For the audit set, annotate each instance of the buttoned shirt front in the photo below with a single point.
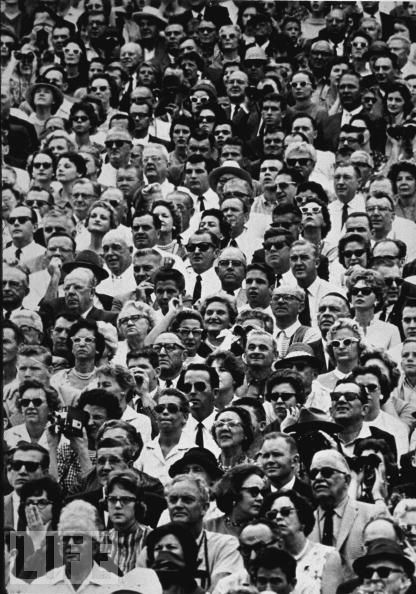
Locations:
(98, 581)
(210, 283)
(357, 204)
(191, 429)
(153, 461)
(115, 285)
(339, 511)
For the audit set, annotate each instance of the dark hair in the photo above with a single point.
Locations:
(36, 487)
(25, 446)
(396, 168)
(228, 488)
(381, 355)
(134, 437)
(349, 237)
(253, 403)
(325, 214)
(88, 325)
(214, 380)
(223, 223)
(282, 209)
(276, 98)
(186, 314)
(379, 445)
(98, 397)
(52, 398)
(131, 481)
(76, 159)
(201, 134)
(185, 538)
(374, 370)
(146, 352)
(140, 212)
(182, 120)
(397, 87)
(334, 61)
(275, 232)
(265, 269)
(88, 109)
(286, 376)
(313, 187)
(272, 558)
(83, 61)
(245, 422)
(176, 217)
(197, 158)
(362, 395)
(303, 508)
(170, 274)
(214, 239)
(62, 234)
(231, 363)
(18, 334)
(36, 351)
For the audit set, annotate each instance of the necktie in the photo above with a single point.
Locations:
(284, 344)
(233, 243)
(328, 531)
(7, 314)
(18, 253)
(277, 280)
(344, 214)
(201, 200)
(305, 315)
(199, 439)
(197, 289)
(169, 383)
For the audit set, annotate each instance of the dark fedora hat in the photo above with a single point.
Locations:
(312, 419)
(384, 548)
(199, 456)
(299, 351)
(87, 259)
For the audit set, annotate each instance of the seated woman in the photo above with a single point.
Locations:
(239, 494)
(317, 564)
(41, 501)
(126, 511)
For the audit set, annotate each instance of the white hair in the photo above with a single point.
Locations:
(82, 516)
(302, 147)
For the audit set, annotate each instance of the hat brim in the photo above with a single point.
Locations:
(138, 16)
(360, 563)
(58, 96)
(99, 272)
(214, 471)
(312, 426)
(215, 175)
(311, 360)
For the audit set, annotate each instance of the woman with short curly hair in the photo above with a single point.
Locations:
(366, 291)
(219, 313)
(135, 321)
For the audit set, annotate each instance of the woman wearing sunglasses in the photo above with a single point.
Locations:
(239, 495)
(36, 401)
(302, 86)
(359, 43)
(74, 60)
(233, 432)
(41, 502)
(353, 250)
(366, 292)
(84, 125)
(317, 565)
(23, 75)
(170, 445)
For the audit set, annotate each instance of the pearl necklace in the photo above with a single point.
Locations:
(83, 376)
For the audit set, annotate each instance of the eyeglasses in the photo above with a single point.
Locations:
(196, 386)
(283, 511)
(382, 572)
(7, 43)
(326, 472)
(228, 424)
(284, 297)
(127, 319)
(169, 347)
(17, 465)
(40, 503)
(255, 491)
(123, 500)
(358, 44)
(301, 83)
(80, 118)
(76, 51)
(370, 388)
(202, 247)
(44, 164)
(114, 203)
(79, 339)
(295, 161)
(313, 210)
(171, 407)
(77, 539)
(398, 281)
(366, 291)
(20, 220)
(199, 99)
(343, 342)
(35, 401)
(101, 89)
(371, 209)
(232, 263)
(208, 119)
(185, 332)
(357, 253)
(115, 143)
(348, 396)
(37, 202)
(285, 396)
(275, 245)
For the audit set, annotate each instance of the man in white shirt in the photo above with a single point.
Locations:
(118, 258)
(155, 167)
(348, 200)
(201, 279)
(197, 169)
(200, 383)
(231, 267)
(118, 143)
(24, 249)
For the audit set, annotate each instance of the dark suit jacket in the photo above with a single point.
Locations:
(245, 124)
(49, 312)
(8, 511)
(216, 14)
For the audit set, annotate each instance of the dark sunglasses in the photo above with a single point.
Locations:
(101, 89)
(202, 247)
(116, 143)
(348, 396)
(29, 57)
(35, 401)
(285, 396)
(326, 472)
(382, 572)
(255, 491)
(246, 550)
(16, 465)
(370, 388)
(44, 164)
(277, 245)
(233, 263)
(357, 253)
(171, 407)
(77, 539)
(37, 202)
(301, 161)
(21, 220)
(80, 118)
(283, 511)
(198, 386)
(208, 119)
(366, 291)
(398, 281)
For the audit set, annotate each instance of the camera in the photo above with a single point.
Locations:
(68, 421)
(402, 132)
(367, 465)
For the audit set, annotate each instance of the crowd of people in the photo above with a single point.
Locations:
(209, 296)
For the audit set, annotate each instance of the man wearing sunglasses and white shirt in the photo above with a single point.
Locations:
(158, 455)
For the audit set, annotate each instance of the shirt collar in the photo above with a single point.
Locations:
(290, 330)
